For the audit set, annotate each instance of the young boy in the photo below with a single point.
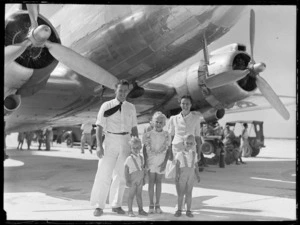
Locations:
(135, 176)
(186, 169)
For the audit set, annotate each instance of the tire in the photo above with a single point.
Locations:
(207, 148)
(69, 141)
(255, 152)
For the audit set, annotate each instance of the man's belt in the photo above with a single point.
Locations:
(123, 133)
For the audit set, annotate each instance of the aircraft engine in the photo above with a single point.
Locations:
(11, 103)
(36, 61)
(213, 115)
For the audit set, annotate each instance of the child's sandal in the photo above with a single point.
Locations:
(158, 209)
(151, 209)
(189, 213)
(177, 213)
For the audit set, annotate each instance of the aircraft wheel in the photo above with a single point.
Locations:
(69, 141)
(207, 148)
(255, 152)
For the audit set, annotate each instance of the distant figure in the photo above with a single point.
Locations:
(246, 149)
(21, 137)
(48, 137)
(86, 136)
(29, 136)
(231, 146)
(40, 138)
(218, 130)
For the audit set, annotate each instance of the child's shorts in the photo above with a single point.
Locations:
(137, 178)
(187, 175)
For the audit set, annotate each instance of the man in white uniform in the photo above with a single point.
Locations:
(86, 136)
(117, 118)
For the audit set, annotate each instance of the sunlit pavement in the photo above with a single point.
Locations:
(56, 185)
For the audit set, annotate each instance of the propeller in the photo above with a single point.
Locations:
(256, 68)
(38, 37)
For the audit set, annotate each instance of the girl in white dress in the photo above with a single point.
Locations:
(156, 152)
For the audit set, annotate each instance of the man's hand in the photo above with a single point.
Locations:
(100, 152)
(198, 178)
(177, 178)
(162, 166)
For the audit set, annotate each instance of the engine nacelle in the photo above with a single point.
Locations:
(11, 104)
(213, 115)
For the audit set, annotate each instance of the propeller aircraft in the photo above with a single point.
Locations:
(59, 73)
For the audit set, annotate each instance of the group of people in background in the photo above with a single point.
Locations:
(40, 136)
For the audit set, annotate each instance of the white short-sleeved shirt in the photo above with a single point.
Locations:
(86, 128)
(119, 122)
(189, 157)
(129, 162)
(180, 126)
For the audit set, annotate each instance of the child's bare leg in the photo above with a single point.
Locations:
(158, 187)
(139, 199)
(181, 191)
(131, 194)
(188, 196)
(151, 188)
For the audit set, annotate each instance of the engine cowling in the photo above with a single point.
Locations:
(213, 115)
(11, 104)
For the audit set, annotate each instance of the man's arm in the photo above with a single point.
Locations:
(100, 150)
(198, 146)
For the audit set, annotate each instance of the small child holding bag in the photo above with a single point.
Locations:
(186, 169)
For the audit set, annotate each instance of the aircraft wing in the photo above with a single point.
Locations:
(258, 102)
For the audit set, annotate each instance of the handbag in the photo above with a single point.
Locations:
(170, 169)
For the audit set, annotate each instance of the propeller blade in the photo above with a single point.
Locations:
(14, 51)
(205, 51)
(81, 65)
(33, 11)
(225, 78)
(252, 32)
(271, 96)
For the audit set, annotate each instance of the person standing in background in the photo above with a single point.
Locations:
(86, 136)
(21, 136)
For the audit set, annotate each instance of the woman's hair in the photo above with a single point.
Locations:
(135, 140)
(186, 97)
(159, 114)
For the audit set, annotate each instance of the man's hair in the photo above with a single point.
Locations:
(122, 82)
(186, 97)
(245, 124)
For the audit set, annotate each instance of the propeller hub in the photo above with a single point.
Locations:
(40, 35)
(259, 67)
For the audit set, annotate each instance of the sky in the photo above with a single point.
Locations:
(275, 45)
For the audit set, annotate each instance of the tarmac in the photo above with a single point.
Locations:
(55, 186)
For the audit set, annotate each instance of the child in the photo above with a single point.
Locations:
(186, 168)
(156, 152)
(135, 176)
